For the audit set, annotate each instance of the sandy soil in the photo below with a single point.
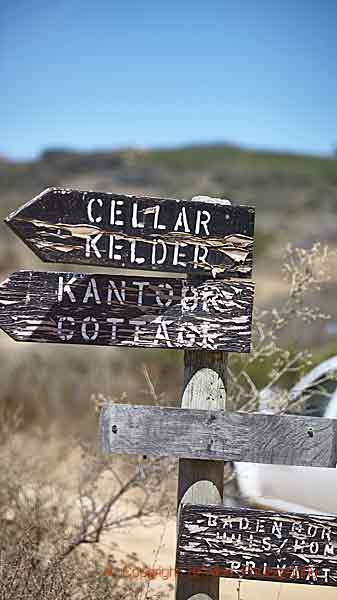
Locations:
(153, 539)
(156, 533)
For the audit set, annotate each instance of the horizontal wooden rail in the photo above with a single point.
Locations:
(218, 435)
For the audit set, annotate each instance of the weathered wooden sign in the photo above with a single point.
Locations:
(97, 228)
(84, 308)
(218, 435)
(252, 544)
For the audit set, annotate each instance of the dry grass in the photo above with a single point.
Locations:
(53, 384)
(51, 533)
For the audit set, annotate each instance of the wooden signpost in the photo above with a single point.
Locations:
(207, 315)
(254, 544)
(156, 234)
(83, 308)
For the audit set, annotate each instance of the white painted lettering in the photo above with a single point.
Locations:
(296, 528)
(161, 296)
(326, 572)
(295, 574)
(235, 565)
(228, 523)
(162, 334)
(311, 574)
(140, 285)
(326, 533)
(250, 567)
(138, 324)
(200, 255)
(177, 254)
(133, 258)
(114, 323)
(277, 529)
(203, 218)
(113, 246)
(156, 224)
(314, 548)
(65, 289)
(88, 322)
(243, 523)
(91, 218)
(92, 292)
(208, 297)
(116, 212)
(67, 333)
(266, 545)
(119, 294)
(299, 545)
(136, 224)
(312, 530)
(91, 244)
(329, 550)
(185, 337)
(232, 538)
(208, 336)
(189, 302)
(182, 221)
(280, 570)
(154, 259)
(260, 523)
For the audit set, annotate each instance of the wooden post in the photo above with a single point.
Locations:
(201, 481)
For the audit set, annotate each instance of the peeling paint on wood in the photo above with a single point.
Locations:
(218, 435)
(85, 308)
(262, 545)
(71, 226)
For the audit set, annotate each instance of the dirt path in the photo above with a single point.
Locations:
(157, 535)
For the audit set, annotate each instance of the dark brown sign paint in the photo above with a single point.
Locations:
(108, 310)
(114, 230)
(253, 544)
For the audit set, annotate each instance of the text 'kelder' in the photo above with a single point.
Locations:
(148, 233)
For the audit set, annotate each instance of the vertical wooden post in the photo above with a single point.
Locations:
(201, 481)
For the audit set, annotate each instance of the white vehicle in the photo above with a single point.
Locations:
(297, 489)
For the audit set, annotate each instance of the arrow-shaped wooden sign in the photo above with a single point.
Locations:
(70, 226)
(84, 308)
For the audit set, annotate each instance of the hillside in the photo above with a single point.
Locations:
(295, 199)
(295, 196)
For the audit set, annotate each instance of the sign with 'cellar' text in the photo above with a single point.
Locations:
(106, 229)
(85, 308)
(252, 544)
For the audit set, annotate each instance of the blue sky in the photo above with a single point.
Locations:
(104, 74)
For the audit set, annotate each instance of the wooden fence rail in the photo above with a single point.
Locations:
(219, 435)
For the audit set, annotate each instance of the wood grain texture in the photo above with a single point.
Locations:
(201, 481)
(96, 228)
(252, 544)
(219, 435)
(83, 308)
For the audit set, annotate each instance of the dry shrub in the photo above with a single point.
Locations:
(50, 540)
(306, 271)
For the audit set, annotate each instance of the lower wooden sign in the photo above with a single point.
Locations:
(253, 544)
(110, 310)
